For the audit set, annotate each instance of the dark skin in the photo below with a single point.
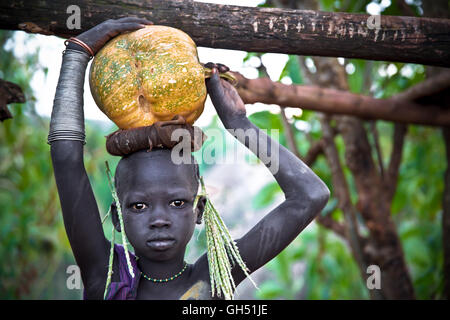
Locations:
(157, 198)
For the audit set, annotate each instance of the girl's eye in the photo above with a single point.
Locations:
(177, 203)
(139, 206)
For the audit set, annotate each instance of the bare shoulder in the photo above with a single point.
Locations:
(199, 284)
(200, 269)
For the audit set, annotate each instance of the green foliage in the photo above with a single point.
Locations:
(291, 70)
(395, 8)
(331, 272)
(356, 79)
(35, 251)
(417, 209)
(267, 121)
(329, 269)
(266, 195)
(25, 187)
(317, 265)
(344, 5)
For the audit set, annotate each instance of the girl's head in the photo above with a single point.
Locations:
(157, 197)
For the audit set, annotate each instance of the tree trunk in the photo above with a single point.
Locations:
(382, 247)
(303, 32)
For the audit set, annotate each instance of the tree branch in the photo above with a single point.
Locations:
(329, 223)
(290, 138)
(427, 88)
(390, 180)
(314, 151)
(398, 108)
(342, 192)
(9, 93)
(376, 139)
(300, 32)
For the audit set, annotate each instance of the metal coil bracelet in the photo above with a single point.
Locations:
(67, 119)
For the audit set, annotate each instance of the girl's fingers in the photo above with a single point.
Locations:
(214, 75)
(210, 65)
(134, 19)
(129, 26)
(213, 83)
(222, 68)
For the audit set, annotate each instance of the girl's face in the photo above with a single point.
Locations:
(157, 200)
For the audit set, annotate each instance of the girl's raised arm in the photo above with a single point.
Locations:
(66, 137)
(306, 194)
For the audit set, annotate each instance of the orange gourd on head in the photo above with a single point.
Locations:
(148, 75)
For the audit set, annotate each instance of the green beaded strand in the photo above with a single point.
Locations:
(119, 213)
(222, 251)
(124, 242)
(110, 264)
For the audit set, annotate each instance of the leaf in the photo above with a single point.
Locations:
(356, 79)
(266, 120)
(249, 55)
(266, 196)
(292, 70)
(327, 5)
(270, 290)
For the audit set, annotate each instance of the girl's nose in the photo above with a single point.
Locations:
(160, 223)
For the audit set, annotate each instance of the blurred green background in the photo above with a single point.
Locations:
(35, 253)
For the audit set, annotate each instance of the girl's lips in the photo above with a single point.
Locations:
(161, 244)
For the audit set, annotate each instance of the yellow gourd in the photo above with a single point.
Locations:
(148, 75)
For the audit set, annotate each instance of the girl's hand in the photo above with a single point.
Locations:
(99, 35)
(224, 96)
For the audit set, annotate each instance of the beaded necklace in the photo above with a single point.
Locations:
(166, 279)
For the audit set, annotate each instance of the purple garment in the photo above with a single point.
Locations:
(126, 288)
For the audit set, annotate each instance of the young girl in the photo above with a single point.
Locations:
(157, 196)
